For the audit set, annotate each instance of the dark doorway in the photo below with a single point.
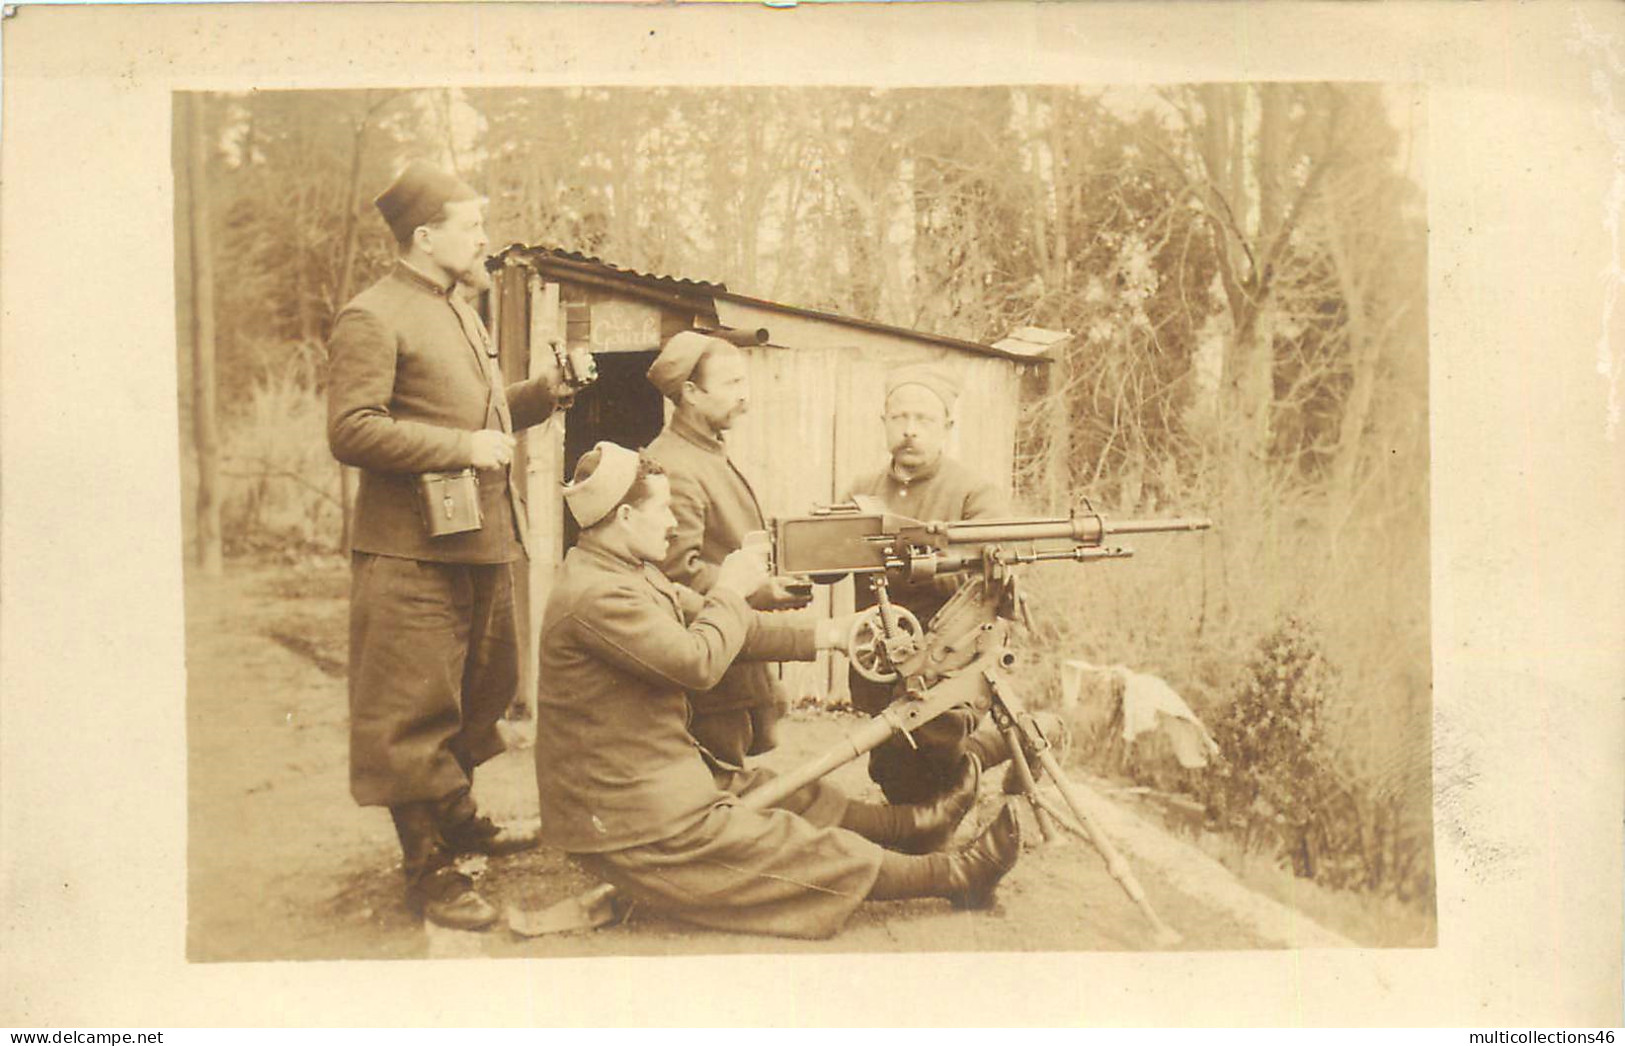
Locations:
(621, 406)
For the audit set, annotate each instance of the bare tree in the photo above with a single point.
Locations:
(1256, 160)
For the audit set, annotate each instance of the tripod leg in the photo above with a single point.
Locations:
(1115, 864)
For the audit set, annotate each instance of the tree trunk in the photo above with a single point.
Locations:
(1364, 354)
(352, 200)
(205, 429)
(1058, 433)
(352, 236)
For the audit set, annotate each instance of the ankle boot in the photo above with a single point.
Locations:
(446, 897)
(481, 835)
(435, 888)
(920, 828)
(975, 871)
(465, 830)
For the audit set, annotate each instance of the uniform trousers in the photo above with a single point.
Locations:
(434, 664)
(787, 871)
(924, 770)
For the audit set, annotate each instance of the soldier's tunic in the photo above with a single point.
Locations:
(715, 508)
(943, 492)
(434, 655)
(623, 785)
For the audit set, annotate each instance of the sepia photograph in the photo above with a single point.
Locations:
(1011, 524)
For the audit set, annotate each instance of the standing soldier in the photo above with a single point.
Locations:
(416, 401)
(705, 379)
(921, 482)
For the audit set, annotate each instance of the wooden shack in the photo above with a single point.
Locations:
(817, 382)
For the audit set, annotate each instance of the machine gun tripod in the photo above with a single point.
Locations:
(964, 657)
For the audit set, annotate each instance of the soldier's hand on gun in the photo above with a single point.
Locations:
(743, 571)
(781, 593)
(491, 449)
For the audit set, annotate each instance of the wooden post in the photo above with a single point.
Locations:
(205, 427)
(546, 470)
(506, 307)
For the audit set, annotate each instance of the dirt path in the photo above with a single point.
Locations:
(283, 865)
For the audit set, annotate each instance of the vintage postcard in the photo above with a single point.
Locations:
(1114, 508)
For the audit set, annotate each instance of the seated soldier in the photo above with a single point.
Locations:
(626, 790)
(920, 481)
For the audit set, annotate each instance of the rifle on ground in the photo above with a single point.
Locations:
(963, 656)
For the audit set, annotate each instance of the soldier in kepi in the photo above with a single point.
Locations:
(625, 788)
(705, 379)
(921, 482)
(417, 402)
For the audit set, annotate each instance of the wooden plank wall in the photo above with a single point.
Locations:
(814, 426)
(528, 313)
(983, 438)
(545, 474)
(784, 447)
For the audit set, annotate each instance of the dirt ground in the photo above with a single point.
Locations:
(283, 865)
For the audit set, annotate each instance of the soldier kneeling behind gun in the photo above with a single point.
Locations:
(625, 789)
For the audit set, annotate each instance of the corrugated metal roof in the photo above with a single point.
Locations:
(563, 261)
(544, 254)
(1034, 341)
(885, 328)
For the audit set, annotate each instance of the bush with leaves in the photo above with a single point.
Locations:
(1277, 777)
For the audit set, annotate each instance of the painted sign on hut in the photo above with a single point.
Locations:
(816, 379)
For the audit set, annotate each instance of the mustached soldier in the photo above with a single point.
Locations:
(625, 788)
(922, 482)
(705, 379)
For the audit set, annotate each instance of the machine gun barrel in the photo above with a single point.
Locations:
(865, 539)
(1088, 529)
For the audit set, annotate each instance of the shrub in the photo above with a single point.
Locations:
(1277, 777)
(280, 483)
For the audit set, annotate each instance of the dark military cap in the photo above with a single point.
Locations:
(417, 196)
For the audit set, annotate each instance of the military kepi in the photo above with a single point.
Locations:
(595, 497)
(417, 195)
(931, 377)
(678, 359)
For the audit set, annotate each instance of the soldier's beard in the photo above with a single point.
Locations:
(475, 277)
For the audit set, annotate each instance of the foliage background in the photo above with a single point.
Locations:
(1244, 267)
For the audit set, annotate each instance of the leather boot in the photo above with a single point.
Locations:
(975, 871)
(435, 888)
(918, 828)
(446, 897)
(966, 878)
(466, 831)
(481, 835)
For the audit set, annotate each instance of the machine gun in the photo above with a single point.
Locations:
(974, 556)
(964, 656)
